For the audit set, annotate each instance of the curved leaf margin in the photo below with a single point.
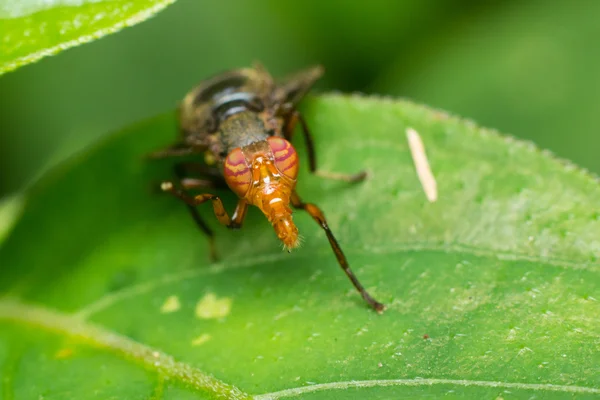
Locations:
(26, 24)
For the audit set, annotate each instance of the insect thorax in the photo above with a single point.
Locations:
(241, 129)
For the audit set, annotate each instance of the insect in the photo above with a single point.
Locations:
(241, 123)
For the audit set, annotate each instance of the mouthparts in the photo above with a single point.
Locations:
(276, 209)
(287, 232)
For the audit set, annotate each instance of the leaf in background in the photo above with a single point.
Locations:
(492, 288)
(525, 68)
(10, 210)
(32, 29)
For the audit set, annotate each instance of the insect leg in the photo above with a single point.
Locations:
(239, 214)
(176, 150)
(184, 169)
(193, 183)
(288, 130)
(181, 170)
(217, 181)
(194, 201)
(318, 216)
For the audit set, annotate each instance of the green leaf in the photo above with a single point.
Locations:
(492, 290)
(509, 61)
(10, 209)
(32, 29)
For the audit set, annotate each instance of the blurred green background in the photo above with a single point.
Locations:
(530, 68)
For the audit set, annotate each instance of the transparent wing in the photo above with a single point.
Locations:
(292, 89)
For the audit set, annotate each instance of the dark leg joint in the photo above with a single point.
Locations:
(234, 225)
(350, 178)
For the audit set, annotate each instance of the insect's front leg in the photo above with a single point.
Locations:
(185, 169)
(182, 170)
(288, 130)
(316, 213)
(218, 208)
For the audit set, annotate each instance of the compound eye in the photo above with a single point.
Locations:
(237, 173)
(286, 158)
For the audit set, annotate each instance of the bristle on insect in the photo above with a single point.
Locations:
(287, 232)
(299, 242)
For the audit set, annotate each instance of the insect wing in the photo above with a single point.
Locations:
(293, 88)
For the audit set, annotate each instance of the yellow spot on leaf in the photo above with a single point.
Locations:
(170, 305)
(63, 353)
(210, 306)
(205, 337)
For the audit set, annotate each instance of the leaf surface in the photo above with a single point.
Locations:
(32, 29)
(492, 289)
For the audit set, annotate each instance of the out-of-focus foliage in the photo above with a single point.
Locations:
(532, 69)
(527, 67)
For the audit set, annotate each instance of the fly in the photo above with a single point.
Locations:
(242, 123)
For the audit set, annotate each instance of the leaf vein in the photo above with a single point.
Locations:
(165, 366)
(423, 382)
(134, 290)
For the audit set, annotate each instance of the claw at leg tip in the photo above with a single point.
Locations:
(379, 308)
(361, 176)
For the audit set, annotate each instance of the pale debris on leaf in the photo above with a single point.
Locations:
(63, 353)
(422, 164)
(200, 340)
(210, 306)
(170, 305)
